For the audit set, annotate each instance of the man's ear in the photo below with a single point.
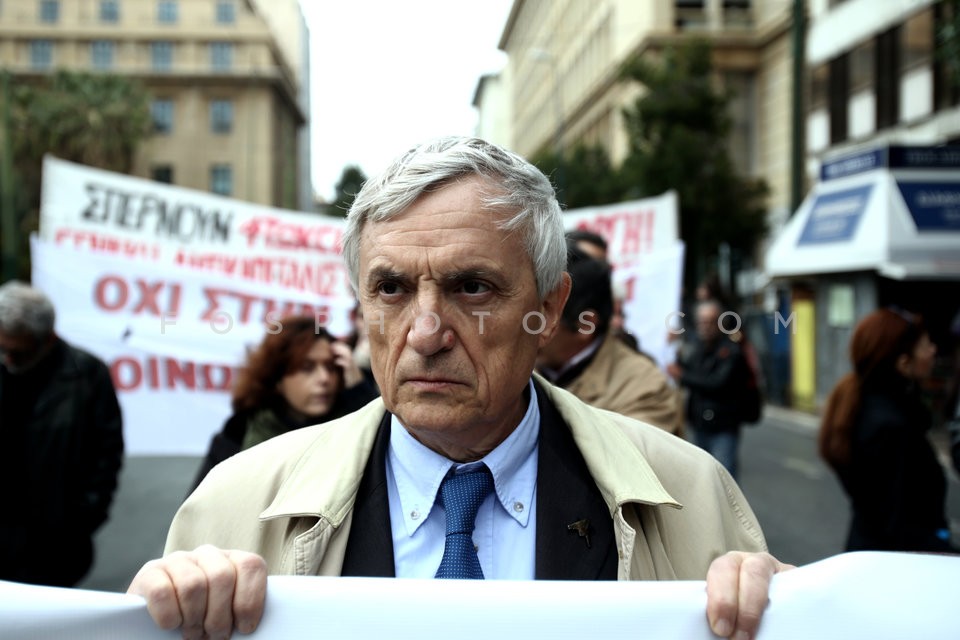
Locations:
(552, 307)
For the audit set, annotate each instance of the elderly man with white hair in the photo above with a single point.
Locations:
(62, 449)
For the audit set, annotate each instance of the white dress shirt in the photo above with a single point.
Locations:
(506, 524)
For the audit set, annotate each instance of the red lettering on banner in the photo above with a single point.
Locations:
(326, 278)
(275, 233)
(112, 293)
(153, 373)
(628, 286)
(148, 297)
(209, 381)
(126, 373)
(181, 372)
(245, 308)
(106, 243)
(115, 283)
(168, 374)
(630, 233)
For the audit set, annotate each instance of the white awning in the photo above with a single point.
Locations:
(904, 227)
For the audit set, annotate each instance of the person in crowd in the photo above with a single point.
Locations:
(873, 434)
(585, 358)
(299, 375)
(715, 376)
(458, 257)
(595, 246)
(62, 450)
(360, 345)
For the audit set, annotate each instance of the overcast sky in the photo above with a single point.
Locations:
(387, 74)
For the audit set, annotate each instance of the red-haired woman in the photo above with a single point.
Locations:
(874, 435)
(299, 375)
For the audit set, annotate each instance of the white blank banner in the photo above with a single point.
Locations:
(853, 596)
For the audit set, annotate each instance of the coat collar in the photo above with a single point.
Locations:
(323, 481)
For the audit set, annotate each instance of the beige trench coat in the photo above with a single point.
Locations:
(290, 499)
(621, 380)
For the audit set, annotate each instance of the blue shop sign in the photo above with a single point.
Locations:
(935, 206)
(835, 215)
(850, 165)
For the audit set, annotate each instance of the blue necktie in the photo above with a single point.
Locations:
(460, 496)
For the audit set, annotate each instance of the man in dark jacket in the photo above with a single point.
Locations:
(715, 376)
(62, 446)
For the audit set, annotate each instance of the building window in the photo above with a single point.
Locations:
(819, 87)
(862, 65)
(221, 179)
(221, 55)
(162, 113)
(888, 83)
(161, 55)
(226, 13)
(221, 116)
(41, 54)
(839, 95)
(162, 173)
(109, 11)
(49, 10)
(167, 11)
(101, 54)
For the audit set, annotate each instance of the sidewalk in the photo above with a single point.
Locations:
(802, 420)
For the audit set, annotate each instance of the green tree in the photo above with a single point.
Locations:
(948, 37)
(96, 120)
(347, 188)
(589, 178)
(678, 132)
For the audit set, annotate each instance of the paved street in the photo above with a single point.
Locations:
(797, 499)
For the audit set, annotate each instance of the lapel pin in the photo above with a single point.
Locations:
(582, 527)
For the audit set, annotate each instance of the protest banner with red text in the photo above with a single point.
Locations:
(171, 286)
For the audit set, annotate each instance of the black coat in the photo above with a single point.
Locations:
(896, 485)
(229, 440)
(715, 375)
(62, 451)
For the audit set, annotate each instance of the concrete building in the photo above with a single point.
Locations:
(227, 78)
(565, 56)
(881, 224)
(563, 88)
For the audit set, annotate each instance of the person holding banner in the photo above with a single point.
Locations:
(587, 359)
(470, 465)
(62, 449)
(299, 375)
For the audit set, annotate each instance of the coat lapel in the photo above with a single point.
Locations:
(370, 545)
(570, 509)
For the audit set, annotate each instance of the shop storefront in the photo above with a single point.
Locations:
(882, 227)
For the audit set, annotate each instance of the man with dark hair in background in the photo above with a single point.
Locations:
(587, 359)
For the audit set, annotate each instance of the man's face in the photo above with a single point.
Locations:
(708, 327)
(445, 295)
(20, 351)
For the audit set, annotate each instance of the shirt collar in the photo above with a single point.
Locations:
(554, 374)
(418, 470)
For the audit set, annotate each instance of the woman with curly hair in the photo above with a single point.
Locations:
(874, 436)
(299, 375)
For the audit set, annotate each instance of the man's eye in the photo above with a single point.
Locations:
(474, 287)
(389, 288)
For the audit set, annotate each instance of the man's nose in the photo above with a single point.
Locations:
(429, 333)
